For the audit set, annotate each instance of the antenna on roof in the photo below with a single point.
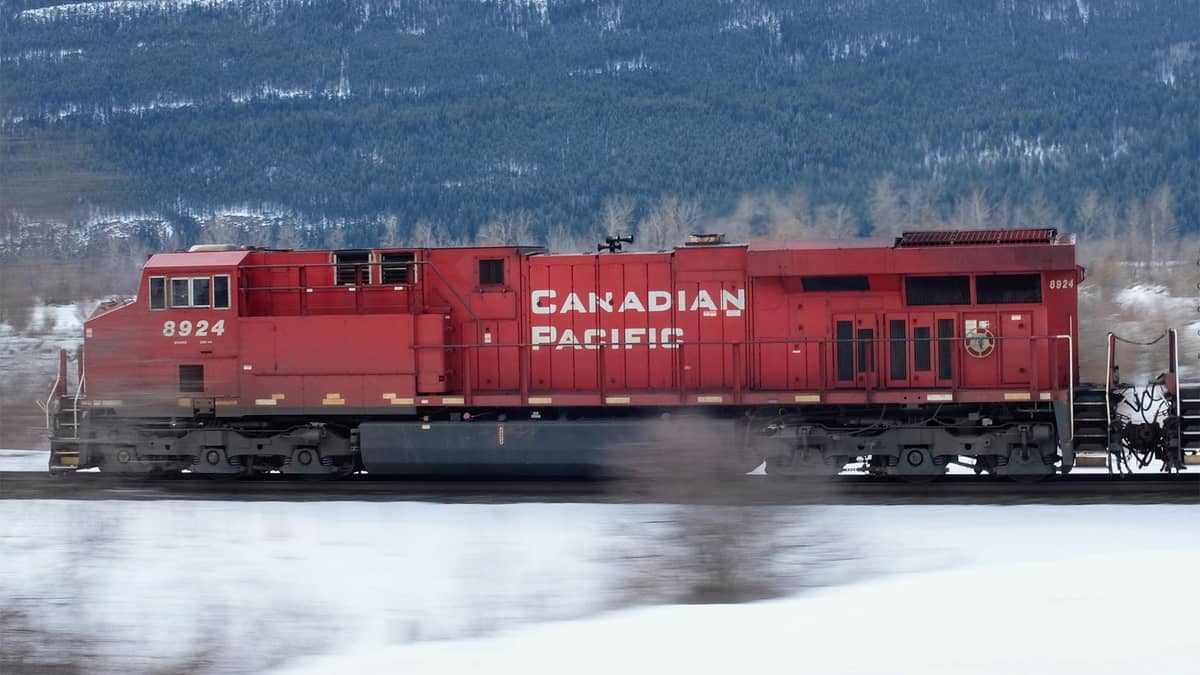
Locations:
(613, 244)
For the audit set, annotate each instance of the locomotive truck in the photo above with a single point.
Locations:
(898, 357)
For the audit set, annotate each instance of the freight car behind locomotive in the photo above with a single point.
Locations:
(902, 356)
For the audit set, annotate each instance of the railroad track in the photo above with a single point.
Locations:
(1080, 489)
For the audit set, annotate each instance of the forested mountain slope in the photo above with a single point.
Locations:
(361, 111)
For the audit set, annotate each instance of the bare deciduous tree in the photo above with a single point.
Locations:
(835, 221)
(391, 231)
(884, 206)
(509, 229)
(790, 216)
(1039, 212)
(561, 239)
(1160, 221)
(973, 212)
(920, 202)
(668, 223)
(423, 235)
(616, 218)
(739, 226)
(1088, 214)
(1134, 220)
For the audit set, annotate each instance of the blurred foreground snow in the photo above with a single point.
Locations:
(24, 460)
(1032, 617)
(380, 587)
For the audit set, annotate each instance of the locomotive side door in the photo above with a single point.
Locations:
(899, 365)
(855, 350)
(932, 340)
(1018, 349)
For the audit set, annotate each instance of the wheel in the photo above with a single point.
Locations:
(919, 465)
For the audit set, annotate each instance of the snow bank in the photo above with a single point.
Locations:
(29, 363)
(1022, 618)
(1145, 297)
(23, 460)
(142, 586)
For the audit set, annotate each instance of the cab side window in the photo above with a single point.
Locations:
(181, 292)
(191, 292)
(200, 290)
(491, 272)
(158, 292)
(220, 291)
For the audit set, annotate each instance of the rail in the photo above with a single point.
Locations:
(302, 290)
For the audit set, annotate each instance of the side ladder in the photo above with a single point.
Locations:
(1092, 426)
(1092, 416)
(63, 417)
(1187, 410)
(1189, 423)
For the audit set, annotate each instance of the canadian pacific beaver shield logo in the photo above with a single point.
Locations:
(978, 338)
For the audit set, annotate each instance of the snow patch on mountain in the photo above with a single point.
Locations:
(113, 9)
(982, 150)
(42, 56)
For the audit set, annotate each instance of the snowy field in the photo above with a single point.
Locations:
(134, 587)
(1041, 617)
(28, 365)
(141, 587)
(23, 460)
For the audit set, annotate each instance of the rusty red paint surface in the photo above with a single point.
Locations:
(701, 325)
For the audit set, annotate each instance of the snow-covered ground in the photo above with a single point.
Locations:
(425, 588)
(1041, 617)
(1141, 313)
(51, 327)
(29, 363)
(23, 460)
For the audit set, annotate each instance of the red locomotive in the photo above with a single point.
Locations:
(902, 355)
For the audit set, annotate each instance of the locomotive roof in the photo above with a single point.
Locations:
(196, 259)
(807, 245)
(234, 257)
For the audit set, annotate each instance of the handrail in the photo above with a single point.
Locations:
(58, 388)
(739, 382)
(75, 403)
(1071, 384)
(246, 290)
(50, 398)
(1108, 377)
(756, 341)
(453, 291)
(1174, 341)
(361, 287)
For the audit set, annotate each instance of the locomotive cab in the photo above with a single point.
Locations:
(175, 346)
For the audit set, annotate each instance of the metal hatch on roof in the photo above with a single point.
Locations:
(705, 239)
(1041, 235)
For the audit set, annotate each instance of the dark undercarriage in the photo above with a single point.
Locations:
(919, 440)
